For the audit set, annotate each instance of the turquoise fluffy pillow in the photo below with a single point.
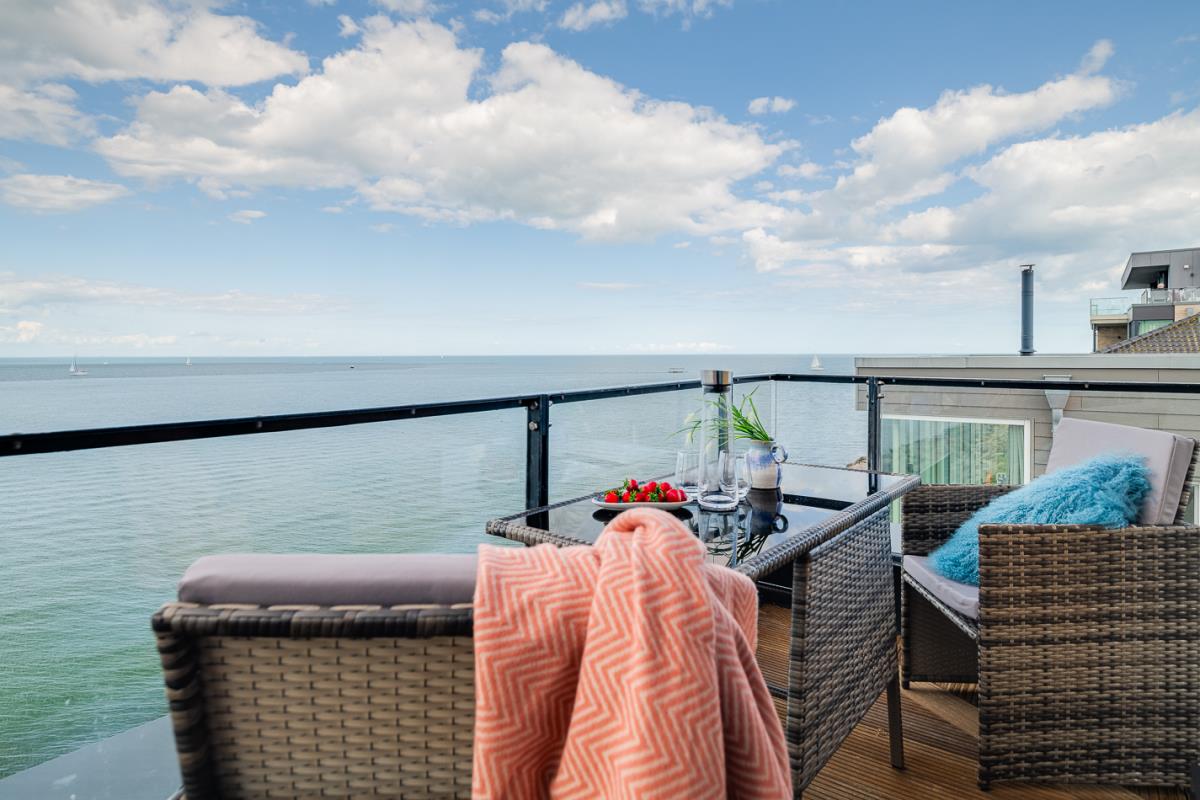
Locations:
(1106, 491)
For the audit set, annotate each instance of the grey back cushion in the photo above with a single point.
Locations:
(330, 580)
(1168, 458)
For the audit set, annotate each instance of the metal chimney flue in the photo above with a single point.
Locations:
(1027, 309)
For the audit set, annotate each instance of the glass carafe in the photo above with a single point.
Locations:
(718, 482)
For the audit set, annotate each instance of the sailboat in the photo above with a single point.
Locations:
(188, 363)
(816, 364)
(75, 368)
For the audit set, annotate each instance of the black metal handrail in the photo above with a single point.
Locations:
(537, 408)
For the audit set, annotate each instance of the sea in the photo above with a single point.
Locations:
(94, 541)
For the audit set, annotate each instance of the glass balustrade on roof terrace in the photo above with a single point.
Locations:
(1189, 294)
(1110, 307)
(81, 694)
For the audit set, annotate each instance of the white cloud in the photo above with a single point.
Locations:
(1104, 190)
(332, 209)
(103, 40)
(582, 16)
(901, 159)
(550, 144)
(770, 105)
(679, 347)
(23, 332)
(1096, 57)
(246, 216)
(687, 8)
(382, 227)
(30, 332)
(1073, 204)
(347, 27)
(771, 252)
(25, 294)
(808, 169)
(138, 341)
(57, 192)
(507, 9)
(44, 113)
(408, 8)
(487, 16)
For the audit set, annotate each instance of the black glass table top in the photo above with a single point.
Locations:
(809, 495)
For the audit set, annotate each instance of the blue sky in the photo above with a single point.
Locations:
(609, 176)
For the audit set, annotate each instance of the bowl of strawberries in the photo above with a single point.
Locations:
(634, 493)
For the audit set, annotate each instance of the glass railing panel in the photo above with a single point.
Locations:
(598, 443)
(1109, 306)
(822, 423)
(94, 542)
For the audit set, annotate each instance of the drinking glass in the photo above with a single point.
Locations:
(687, 472)
(741, 471)
(735, 475)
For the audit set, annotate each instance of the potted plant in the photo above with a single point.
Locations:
(763, 453)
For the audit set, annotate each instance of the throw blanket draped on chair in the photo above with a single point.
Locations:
(622, 670)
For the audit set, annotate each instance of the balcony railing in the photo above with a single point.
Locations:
(1110, 307)
(540, 462)
(1189, 294)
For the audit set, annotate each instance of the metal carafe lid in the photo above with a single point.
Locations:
(716, 378)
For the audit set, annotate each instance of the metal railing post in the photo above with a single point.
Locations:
(874, 432)
(537, 452)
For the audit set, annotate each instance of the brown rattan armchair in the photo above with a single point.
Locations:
(1086, 648)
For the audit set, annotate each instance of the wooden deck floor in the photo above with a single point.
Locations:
(941, 729)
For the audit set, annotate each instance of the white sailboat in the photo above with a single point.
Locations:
(75, 368)
(188, 363)
(816, 364)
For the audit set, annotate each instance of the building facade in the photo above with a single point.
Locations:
(966, 435)
(1169, 292)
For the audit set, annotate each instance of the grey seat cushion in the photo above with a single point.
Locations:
(961, 597)
(330, 580)
(1168, 458)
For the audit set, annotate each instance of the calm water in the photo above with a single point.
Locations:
(94, 541)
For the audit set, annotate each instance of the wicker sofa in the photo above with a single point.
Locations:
(370, 700)
(1085, 644)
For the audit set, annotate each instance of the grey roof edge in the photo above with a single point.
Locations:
(1056, 361)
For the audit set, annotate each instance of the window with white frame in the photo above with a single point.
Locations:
(957, 450)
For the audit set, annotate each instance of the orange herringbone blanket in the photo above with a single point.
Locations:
(623, 670)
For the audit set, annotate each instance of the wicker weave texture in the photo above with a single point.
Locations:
(932, 513)
(936, 648)
(1089, 654)
(320, 702)
(340, 717)
(843, 649)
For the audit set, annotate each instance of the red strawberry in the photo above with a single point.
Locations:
(633, 485)
(643, 497)
(624, 497)
(611, 497)
(651, 486)
(673, 496)
(666, 487)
